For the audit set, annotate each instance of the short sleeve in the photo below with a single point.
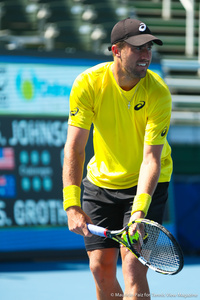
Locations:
(159, 115)
(81, 103)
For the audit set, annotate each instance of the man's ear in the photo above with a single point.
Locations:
(116, 51)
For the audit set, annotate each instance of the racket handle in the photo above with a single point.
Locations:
(97, 230)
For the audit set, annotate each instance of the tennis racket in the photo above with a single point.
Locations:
(155, 248)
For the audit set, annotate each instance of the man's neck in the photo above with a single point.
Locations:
(125, 82)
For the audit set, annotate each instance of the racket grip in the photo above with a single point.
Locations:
(97, 230)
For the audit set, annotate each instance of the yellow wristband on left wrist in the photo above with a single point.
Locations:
(71, 196)
(141, 203)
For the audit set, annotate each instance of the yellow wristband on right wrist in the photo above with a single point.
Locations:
(141, 203)
(71, 196)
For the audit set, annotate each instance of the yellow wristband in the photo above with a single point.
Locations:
(141, 203)
(71, 196)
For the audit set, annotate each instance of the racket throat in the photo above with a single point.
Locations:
(144, 261)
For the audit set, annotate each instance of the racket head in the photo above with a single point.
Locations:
(157, 248)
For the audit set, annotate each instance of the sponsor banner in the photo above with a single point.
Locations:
(42, 89)
(36, 86)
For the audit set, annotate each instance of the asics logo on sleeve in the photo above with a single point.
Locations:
(164, 131)
(140, 105)
(74, 111)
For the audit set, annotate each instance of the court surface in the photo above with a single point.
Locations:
(73, 281)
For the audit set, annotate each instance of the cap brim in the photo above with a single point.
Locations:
(142, 39)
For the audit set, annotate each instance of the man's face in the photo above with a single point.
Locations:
(136, 60)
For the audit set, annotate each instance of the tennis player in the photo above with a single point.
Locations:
(128, 176)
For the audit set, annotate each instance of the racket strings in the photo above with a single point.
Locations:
(159, 250)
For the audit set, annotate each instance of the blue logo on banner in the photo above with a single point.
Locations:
(29, 85)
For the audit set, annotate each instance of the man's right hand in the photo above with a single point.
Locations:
(77, 221)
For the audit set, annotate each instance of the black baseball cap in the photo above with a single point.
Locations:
(134, 32)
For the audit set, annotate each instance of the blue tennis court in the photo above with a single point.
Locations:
(73, 280)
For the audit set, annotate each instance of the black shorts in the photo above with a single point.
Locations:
(112, 209)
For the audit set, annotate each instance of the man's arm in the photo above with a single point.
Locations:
(74, 158)
(149, 174)
(150, 169)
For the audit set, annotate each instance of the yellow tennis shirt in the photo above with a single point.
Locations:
(123, 121)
